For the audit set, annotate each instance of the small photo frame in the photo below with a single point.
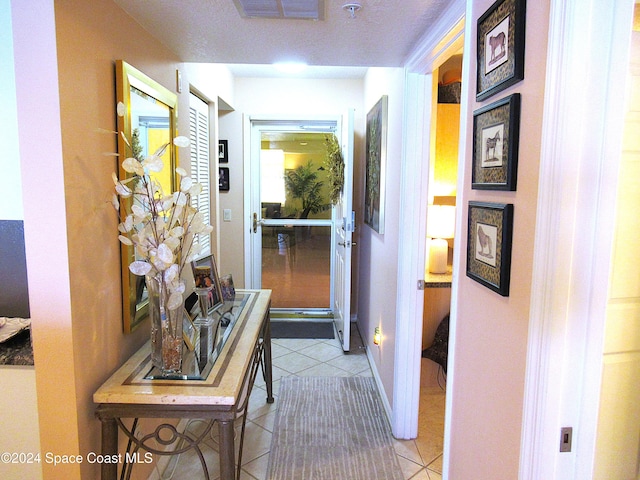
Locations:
(223, 152)
(489, 245)
(496, 136)
(223, 179)
(189, 332)
(228, 290)
(205, 274)
(500, 47)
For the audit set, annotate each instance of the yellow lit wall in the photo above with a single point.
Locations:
(447, 137)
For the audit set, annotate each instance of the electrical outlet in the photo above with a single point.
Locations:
(566, 434)
(226, 214)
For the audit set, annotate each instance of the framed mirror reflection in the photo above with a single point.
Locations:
(149, 122)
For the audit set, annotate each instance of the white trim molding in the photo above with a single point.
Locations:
(411, 259)
(440, 40)
(581, 145)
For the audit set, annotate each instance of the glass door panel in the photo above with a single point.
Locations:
(296, 265)
(296, 219)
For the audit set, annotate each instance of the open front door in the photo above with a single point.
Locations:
(343, 232)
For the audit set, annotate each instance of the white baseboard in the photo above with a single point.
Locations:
(376, 377)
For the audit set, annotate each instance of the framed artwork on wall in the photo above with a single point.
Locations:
(489, 245)
(500, 47)
(223, 179)
(376, 159)
(496, 133)
(223, 151)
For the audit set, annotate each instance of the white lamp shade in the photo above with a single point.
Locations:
(441, 221)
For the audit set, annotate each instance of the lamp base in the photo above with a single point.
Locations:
(438, 254)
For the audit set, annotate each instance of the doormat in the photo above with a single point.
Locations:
(301, 329)
(330, 428)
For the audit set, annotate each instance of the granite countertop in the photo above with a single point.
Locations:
(17, 350)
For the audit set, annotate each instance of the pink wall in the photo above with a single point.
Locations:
(491, 331)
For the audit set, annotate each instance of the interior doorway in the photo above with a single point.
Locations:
(444, 140)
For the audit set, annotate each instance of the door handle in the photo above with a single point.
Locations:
(256, 222)
(343, 244)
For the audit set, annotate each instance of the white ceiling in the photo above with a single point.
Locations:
(382, 34)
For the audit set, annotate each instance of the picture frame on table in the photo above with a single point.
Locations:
(500, 47)
(228, 290)
(205, 274)
(496, 138)
(489, 239)
(223, 151)
(375, 166)
(189, 331)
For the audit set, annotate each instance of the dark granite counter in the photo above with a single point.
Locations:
(17, 350)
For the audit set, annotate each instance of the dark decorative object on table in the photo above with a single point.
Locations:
(450, 93)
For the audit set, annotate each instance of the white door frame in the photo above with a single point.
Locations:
(251, 176)
(566, 328)
(413, 216)
(581, 147)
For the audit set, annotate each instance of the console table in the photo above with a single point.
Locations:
(219, 393)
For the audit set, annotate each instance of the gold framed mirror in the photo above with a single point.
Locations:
(151, 110)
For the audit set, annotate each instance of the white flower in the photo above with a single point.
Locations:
(181, 141)
(160, 226)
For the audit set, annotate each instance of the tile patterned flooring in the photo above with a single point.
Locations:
(420, 459)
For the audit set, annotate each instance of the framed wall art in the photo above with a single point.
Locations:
(223, 179)
(496, 132)
(500, 47)
(489, 245)
(223, 151)
(376, 159)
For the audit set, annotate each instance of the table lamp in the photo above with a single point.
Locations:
(441, 222)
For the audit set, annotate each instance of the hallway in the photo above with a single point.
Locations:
(420, 459)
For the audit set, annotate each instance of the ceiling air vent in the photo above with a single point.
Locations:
(287, 9)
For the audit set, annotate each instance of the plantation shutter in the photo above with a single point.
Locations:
(199, 132)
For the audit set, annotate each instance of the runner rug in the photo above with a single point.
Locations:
(330, 428)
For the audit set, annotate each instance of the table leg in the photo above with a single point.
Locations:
(227, 454)
(109, 471)
(268, 377)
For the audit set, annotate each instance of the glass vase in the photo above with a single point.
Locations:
(204, 325)
(166, 329)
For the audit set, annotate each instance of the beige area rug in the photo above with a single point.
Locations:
(330, 428)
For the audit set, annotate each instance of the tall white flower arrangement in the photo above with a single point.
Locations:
(160, 225)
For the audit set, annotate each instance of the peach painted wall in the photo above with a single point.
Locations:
(379, 253)
(487, 387)
(72, 249)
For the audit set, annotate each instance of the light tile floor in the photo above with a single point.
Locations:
(420, 459)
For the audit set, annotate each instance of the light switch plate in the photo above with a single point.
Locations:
(226, 214)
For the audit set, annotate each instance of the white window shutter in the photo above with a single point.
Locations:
(200, 171)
